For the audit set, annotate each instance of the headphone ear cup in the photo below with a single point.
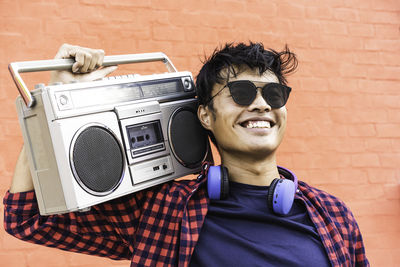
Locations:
(270, 196)
(281, 196)
(224, 183)
(217, 182)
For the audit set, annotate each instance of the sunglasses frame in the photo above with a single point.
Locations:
(285, 89)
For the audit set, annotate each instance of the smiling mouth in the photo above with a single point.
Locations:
(257, 124)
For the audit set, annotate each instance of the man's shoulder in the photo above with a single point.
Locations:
(325, 202)
(174, 188)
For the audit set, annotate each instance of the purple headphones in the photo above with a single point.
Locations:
(280, 194)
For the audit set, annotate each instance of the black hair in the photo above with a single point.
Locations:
(232, 58)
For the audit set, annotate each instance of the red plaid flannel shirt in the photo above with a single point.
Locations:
(160, 226)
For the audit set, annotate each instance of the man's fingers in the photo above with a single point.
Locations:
(98, 74)
(86, 59)
(86, 62)
(97, 59)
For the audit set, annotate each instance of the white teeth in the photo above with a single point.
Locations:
(258, 124)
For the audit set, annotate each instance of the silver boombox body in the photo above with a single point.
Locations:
(91, 142)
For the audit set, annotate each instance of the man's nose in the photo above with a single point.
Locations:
(259, 103)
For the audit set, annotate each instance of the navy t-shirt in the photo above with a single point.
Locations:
(242, 231)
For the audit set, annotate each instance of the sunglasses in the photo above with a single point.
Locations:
(244, 92)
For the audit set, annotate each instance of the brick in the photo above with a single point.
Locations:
(385, 73)
(390, 160)
(348, 70)
(231, 6)
(379, 257)
(388, 5)
(125, 3)
(367, 57)
(179, 18)
(378, 86)
(41, 257)
(362, 30)
(334, 27)
(293, 145)
(378, 17)
(377, 224)
(10, 9)
(394, 116)
(168, 33)
(322, 160)
(54, 25)
(291, 10)
(319, 12)
(395, 144)
(386, 31)
(318, 177)
(13, 259)
(350, 145)
(362, 130)
(392, 192)
(348, 193)
(358, 116)
(203, 35)
(168, 4)
(382, 45)
(342, 85)
(388, 59)
(365, 160)
(346, 14)
(388, 130)
(352, 176)
(268, 9)
(378, 145)
(314, 84)
(380, 175)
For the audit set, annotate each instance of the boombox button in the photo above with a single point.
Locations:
(63, 100)
(187, 84)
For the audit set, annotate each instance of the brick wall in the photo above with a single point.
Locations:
(344, 113)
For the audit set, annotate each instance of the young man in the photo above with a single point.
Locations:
(242, 94)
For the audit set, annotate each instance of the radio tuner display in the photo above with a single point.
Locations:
(145, 138)
(131, 91)
(158, 89)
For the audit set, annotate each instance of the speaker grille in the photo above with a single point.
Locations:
(187, 137)
(97, 160)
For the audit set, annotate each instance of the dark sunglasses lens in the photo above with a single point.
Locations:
(276, 94)
(243, 92)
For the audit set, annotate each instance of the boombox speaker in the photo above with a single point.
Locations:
(90, 142)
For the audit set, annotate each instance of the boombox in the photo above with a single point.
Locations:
(90, 142)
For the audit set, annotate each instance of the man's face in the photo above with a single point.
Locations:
(256, 129)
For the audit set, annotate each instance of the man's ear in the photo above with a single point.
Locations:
(204, 115)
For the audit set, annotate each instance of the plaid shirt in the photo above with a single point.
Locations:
(160, 226)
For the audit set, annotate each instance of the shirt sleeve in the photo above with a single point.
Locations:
(358, 244)
(106, 230)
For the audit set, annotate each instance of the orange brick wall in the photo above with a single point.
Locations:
(344, 113)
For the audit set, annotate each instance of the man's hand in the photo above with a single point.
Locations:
(86, 67)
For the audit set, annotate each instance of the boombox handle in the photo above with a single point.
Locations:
(16, 68)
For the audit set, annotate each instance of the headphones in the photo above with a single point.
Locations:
(280, 194)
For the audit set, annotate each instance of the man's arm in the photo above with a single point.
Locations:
(22, 179)
(86, 68)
